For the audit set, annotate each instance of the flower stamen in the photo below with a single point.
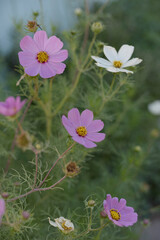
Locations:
(81, 131)
(115, 214)
(117, 64)
(42, 57)
(65, 227)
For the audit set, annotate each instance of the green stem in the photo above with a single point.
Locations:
(78, 75)
(49, 110)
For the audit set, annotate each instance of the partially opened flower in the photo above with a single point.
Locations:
(64, 225)
(117, 61)
(83, 128)
(118, 212)
(11, 106)
(2, 209)
(154, 107)
(42, 55)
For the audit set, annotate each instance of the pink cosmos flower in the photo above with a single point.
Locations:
(11, 106)
(2, 209)
(118, 212)
(42, 55)
(83, 128)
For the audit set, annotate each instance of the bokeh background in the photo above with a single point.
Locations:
(132, 22)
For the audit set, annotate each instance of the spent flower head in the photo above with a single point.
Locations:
(24, 141)
(32, 26)
(11, 106)
(71, 169)
(118, 212)
(42, 55)
(83, 128)
(64, 225)
(117, 61)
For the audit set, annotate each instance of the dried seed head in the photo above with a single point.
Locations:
(32, 26)
(23, 141)
(71, 169)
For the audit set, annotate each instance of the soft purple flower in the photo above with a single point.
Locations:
(11, 106)
(42, 55)
(2, 209)
(118, 212)
(83, 128)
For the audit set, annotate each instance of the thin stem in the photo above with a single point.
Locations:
(112, 83)
(48, 112)
(36, 159)
(36, 190)
(55, 164)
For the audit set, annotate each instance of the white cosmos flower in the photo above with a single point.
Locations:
(118, 61)
(65, 225)
(154, 107)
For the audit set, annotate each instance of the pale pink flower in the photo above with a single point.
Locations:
(42, 55)
(11, 106)
(118, 212)
(2, 209)
(83, 128)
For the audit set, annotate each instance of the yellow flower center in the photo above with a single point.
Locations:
(115, 214)
(81, 131)
(117, 64)
(42, 57)
(65, 227)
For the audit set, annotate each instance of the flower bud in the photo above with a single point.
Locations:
(32, 26)
(78, 12)
(5, 195)
(103, 214)
(91, 203)
(71, 169)
(97, 27)
(146, 222)
(137, 149)
(25, 215)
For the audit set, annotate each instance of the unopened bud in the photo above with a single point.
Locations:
(32, 26)
(97, 27)
(5, 195)
(78, 12)
(103, 214)
(137, 149)
(35, 14)
(146, 222)
(71, 169)
(25, 215)
(91, 203)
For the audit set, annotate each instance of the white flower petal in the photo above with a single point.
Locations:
(101, 60)
(154, 107)
(125, 52)
(52, 223)
(110, 53)
(116, 70)
(132, 62)
(102, 65)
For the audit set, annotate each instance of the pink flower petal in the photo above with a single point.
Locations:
(79, 139)
(33, 69)
(59, 56)
(27, 44)
(46, 71)
(26, 58)
(122, 204)
(40, 39)
(74, 117)
(95, 126)
(2, 208)
(96, 137)
(53, 45)
(69, 126)
(57, 67)
(107, 202)
(89, 144)
(114, 203)
(86, 117)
